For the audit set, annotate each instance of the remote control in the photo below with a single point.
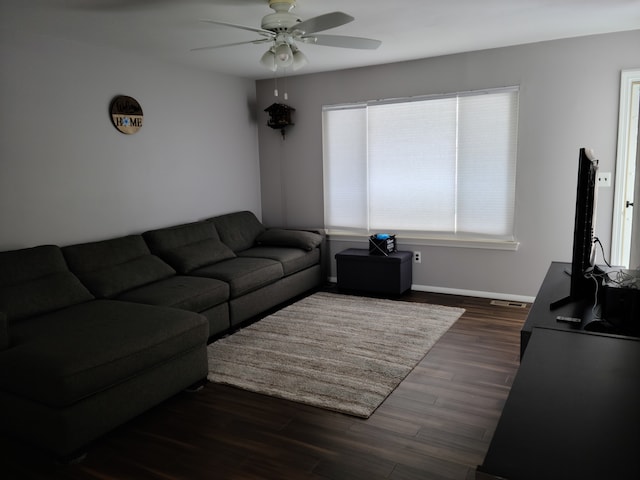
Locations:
(561, 318)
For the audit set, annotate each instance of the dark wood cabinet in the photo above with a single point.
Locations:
(573, 411)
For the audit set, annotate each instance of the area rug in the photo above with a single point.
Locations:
(338, 352)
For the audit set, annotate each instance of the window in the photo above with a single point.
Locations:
(439, 167)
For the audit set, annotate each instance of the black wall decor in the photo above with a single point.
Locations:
(279, 116)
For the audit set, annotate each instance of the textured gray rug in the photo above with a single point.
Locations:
(338, 352)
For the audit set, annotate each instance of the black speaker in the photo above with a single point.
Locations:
(621, 304)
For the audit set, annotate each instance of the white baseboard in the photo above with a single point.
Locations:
(466, 293)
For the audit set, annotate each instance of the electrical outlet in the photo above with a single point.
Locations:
(417, 257)
(604, 179)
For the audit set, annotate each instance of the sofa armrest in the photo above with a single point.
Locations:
(4, 333)
(280, 237)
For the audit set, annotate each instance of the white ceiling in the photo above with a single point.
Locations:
(408, 29)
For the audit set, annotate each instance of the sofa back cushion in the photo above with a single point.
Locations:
(238, 230)
(37, 280)
(111, 267)
(189, 246)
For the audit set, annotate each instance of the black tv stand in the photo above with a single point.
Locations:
(572, 411)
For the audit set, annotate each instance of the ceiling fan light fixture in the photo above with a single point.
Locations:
(284, 55)
(299, 59)
(269, 60)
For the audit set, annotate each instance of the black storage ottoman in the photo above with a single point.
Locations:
(360, 271)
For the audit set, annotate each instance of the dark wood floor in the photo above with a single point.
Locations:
(436, 425)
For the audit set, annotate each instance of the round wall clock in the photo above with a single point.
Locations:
(126, 114)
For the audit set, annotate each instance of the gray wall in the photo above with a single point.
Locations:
(569, 93)
(66, 174)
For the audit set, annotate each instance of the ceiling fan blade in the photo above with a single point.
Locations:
(321, 22)
(342, 41)
(261, 40)
(259, 31)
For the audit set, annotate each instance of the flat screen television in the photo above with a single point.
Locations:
(584, 249)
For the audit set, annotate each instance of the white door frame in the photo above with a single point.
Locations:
(625, 167)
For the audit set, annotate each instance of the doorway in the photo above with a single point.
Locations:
(625, 245)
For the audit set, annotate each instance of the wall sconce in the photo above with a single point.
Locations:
(279, 116)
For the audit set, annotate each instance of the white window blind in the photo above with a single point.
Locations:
(439, 166)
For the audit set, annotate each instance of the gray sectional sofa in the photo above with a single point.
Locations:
(94, 334)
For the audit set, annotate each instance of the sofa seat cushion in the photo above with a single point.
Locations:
(111, 267)
(37, 280)
(293, 259)
(243, 274)
(62, 357)
(195, 294)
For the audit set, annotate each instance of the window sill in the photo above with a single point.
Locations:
(481, 243)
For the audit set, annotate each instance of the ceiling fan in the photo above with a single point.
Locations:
(283, 30)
